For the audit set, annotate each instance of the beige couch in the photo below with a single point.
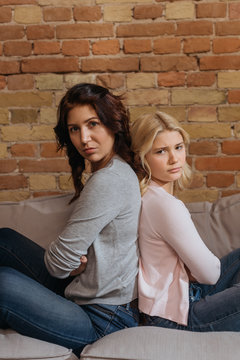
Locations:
(43, 218)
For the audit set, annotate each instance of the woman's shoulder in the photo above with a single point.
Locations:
(158, 199)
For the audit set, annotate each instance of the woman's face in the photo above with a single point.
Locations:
(166, 158)
(93, 140)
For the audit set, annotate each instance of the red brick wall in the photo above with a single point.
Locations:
(182, 57)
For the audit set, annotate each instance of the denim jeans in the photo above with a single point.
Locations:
(32, 301)
(211, 307)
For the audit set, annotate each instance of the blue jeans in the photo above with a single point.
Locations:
(211, 307)
(32, 301)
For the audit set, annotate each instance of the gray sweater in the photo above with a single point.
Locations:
(104, 226)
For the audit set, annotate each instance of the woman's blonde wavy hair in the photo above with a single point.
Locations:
(143, 132)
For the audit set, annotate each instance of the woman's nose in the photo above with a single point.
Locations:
(85, 136)
(172, 157)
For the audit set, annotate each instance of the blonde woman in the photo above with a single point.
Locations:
(182, 284)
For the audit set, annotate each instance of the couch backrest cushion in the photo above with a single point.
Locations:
(42, 219)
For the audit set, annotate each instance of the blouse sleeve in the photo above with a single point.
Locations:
(98, 205)
(173, 223)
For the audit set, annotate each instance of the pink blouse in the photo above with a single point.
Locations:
(168, 239)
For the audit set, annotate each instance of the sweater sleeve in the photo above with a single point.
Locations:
(99, 203)
(173, 223)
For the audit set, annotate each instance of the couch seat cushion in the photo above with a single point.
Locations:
(153, 343)
(16, 346)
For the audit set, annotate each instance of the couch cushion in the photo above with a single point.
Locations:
(218, 223)
(152, 343)
(40, 219)
(15, 346)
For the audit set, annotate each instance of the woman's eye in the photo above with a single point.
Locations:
(73, 129)
(179, 147)
(160, 151)
(93, 123)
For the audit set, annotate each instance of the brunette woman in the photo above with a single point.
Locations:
(46, 294)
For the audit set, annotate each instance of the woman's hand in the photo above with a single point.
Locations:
(81, 268)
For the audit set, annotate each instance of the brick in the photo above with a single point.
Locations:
(3, 151)
(77, 31)
(24, 133)
(155, 29)
(37, 194)
(227, 163)
(3, 82)
(24, 150)
(167, 46)
(180, 10)
(57, 14)
(234, 11)
(76, 48)
(9, 195)
(114, 64)
(214, 10)
(122, 1)
(118, 13)
(36, 32)
(24, 99)
(20, 82)
(197, 96)
(236, 129)
(106, 47)
(46, 47)
(72, 79)
(198, 195)
(201, 79)
(147, 11)
(17, 48)
(49, 82)
(220, 179)
(1, 49)
(197, 27)
(27, 14)
(168, 63)
(42, 182)
(140, 80)
(65, 182)
(4, 115)
(228, 45)
(177, 112)
(229, 79)
(208, 130)
(5, 15)
(54, 65)
(38, 166)
(7, 166)
(238, 180)
(147, 97)
(49, 150)
(229, 113)
(18, 2)
(202, 114)
(9, 67)
(136, 46)
(110, 81)
(11, 32)
(196, 45)
(87, 13)
(21, 116)
(13, 182)
(203, 148)
(171, 79)
(197, 181)
(231, 147)
(234, 96)
(229, 192)
(48, 115)
(223, 28)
